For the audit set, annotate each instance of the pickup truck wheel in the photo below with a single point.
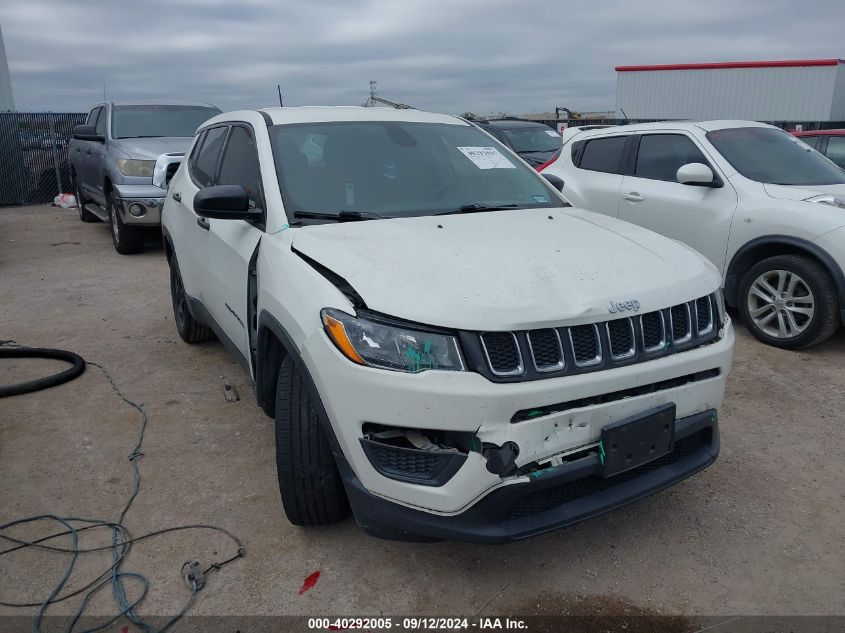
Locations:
(189, 329)
(309, 481)
(85, 216)
(789, 301)
(127, 239)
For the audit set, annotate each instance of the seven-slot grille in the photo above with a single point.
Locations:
(553, 351)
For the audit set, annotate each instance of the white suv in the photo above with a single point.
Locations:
(765, 208)
(444, 345)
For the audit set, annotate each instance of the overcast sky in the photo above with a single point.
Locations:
(449, 56)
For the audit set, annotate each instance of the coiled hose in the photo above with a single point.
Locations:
(77, 367)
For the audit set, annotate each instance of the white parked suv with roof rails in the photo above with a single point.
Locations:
(444, 344)
(765, 208)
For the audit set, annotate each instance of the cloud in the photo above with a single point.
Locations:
(443, 55)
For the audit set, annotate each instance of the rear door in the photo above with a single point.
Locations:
(592, 172)
(652, 197)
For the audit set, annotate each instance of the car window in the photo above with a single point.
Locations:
(812, 141)
(836, 150)
(661, 155)
(603, 154)
(239, 165)
(92, 116)
(540, 138)
(100, 126)
(204, 168)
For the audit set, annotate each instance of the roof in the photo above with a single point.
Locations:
(786, 63)
(509, 124)
(322, 114)
(707, 126)
(161, 102)
(820, 133)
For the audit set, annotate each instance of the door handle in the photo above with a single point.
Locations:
(632, 197)
(203, 223)
(177, 196)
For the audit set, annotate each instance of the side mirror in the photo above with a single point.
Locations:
(87, 133)
(696, 174)
(554, 181)
(224, 202)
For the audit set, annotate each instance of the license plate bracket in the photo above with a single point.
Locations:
(638, 439)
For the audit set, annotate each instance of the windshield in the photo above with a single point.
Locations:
(139, 121)
(395, 169)
(533, 139)
(775, 157)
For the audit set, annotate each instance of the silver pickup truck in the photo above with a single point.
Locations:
(115, 155)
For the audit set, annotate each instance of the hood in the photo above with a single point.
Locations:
(151, 148)
(790, 192)
(507, 270)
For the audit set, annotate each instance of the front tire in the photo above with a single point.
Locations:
(309, 480)
(789, 301)
(188, 327)
(127, 239)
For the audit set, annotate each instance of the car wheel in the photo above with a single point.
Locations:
(309, 480)
(127, 239)
(789, 301)
(85, 216)
(188, 327)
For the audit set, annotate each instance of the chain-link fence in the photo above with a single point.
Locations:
(33, 155)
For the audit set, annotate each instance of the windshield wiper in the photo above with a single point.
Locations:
(340, 216)
(477, 208)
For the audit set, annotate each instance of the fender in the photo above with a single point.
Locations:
(741, 257)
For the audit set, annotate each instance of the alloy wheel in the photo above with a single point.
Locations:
(781, 304)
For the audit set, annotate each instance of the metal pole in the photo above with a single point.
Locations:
(53, 142)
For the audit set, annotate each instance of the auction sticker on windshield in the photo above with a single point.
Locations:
(487, 158)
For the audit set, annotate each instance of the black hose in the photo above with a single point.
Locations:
(78, 366)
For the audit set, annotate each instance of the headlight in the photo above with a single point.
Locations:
(130, 167)
(834, 201)
(376, 344)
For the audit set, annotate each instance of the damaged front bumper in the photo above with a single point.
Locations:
(553, 499)
(505, 454)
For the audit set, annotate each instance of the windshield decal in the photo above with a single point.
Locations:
(487, 158)
(540, 198)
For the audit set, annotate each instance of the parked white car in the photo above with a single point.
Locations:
(444, 344)
(766, 209)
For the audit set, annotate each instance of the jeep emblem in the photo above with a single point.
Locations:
(628, 304)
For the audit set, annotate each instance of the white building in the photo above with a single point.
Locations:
(791, 90)
(7, 101)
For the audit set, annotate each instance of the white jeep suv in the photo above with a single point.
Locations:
(444, 344)
(765, 208)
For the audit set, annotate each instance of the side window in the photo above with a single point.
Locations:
(661, 155)
(204, 166)
(836, 150)
(240, 165)
(92, 116)
(812, 141)
(603, 154)
(100, 127)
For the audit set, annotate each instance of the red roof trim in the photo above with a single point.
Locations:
(787, 63)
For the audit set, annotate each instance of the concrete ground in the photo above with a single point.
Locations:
(760, 532)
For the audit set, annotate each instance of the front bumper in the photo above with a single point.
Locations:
(467, 402)
(556, 498)
(148, 199)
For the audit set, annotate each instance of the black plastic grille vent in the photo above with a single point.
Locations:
(545, 347)
(680, 322)
(585, 344)
(621, 336)
(502, 352)
(704, 313)
(652, 330)
(415, 463)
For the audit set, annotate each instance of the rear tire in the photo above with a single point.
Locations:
(81, 201)
(789, 301)
(127, 239)
(188, 327)
(309, 481)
